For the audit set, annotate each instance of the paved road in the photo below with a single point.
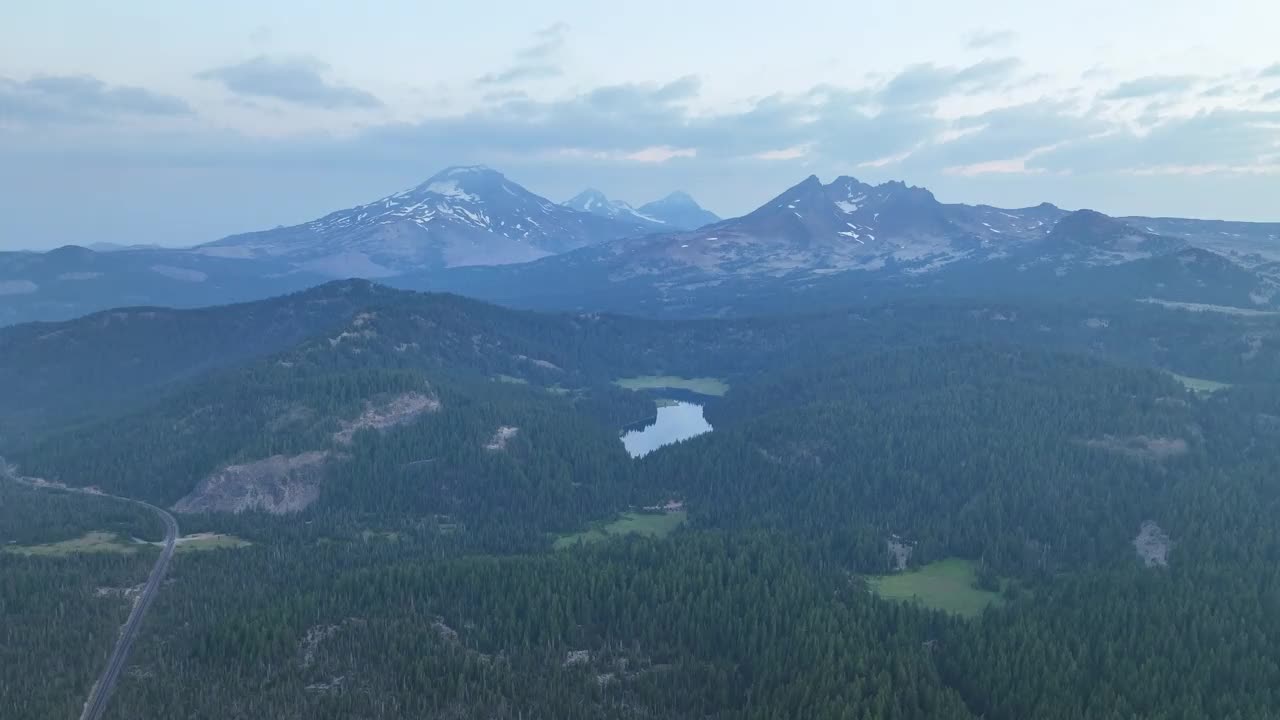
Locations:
(101, 693)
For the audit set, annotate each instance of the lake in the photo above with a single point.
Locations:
(673, 423)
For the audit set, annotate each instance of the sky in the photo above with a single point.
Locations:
(179, 123)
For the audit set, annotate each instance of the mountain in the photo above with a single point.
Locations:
(72, 280)
(460, 216)
(680, 211)
(597, 203)
(116, 247)
(55, 371)
(470, 230)
(1249, 243)
(675, 212)
(849, 242)
(120, 359)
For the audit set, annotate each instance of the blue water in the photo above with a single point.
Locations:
(673, 424)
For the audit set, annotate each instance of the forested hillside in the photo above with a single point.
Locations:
(396, 483)
(62, 608)
(104, 364)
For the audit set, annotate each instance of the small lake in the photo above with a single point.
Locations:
(673, 423)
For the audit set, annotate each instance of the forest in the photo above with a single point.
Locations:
(1121, 523)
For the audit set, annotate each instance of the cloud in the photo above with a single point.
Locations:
(1217, 138)
(520, 72)
(927, 83)
(1014, 166)
(791, 153)
(1006, 134)
(980, 39)
(1273, 95)
(893, 127)
(1272, 71)
(549, 40)
(533, 61)
(1151, 85)
(79, 99)
(660, 154)
(298, 80)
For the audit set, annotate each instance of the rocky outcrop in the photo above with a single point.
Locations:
(278, 484)
(388, 414)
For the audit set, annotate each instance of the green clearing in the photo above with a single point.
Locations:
(702, 386)
(511, 379)
(665, 402)
(656, 525)
(949, 585)
(91, 542)
(210, 541)
(203, 541)
(1200, 385)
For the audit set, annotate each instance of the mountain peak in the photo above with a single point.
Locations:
(1103, 233)
(809, 188)
(1088, 223)
(845, 180)
(678, 197)
(474, 179)
(589, 200)
(679, 211)
(462, 171)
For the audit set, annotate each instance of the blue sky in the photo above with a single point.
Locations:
(179, 123)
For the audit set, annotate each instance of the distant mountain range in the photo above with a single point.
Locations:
(847, 242)
(473, 231)
(675, 212)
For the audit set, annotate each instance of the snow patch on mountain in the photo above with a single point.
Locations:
(449, 188)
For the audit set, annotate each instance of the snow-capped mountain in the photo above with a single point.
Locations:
(680, 211)
(674, 213)
(815, 244)
(460, 216)
(846, 241)
(597, 203)
(843, 225)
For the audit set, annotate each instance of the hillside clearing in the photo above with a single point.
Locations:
(703, 386)
(91, 542)
(1200, 385)
(210, 541)
(949, 585)
(632, 523)
(204, 541)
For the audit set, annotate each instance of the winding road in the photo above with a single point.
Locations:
(96, 705)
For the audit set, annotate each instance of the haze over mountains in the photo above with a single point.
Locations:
(474, 231)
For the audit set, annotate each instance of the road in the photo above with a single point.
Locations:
(101, 692)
